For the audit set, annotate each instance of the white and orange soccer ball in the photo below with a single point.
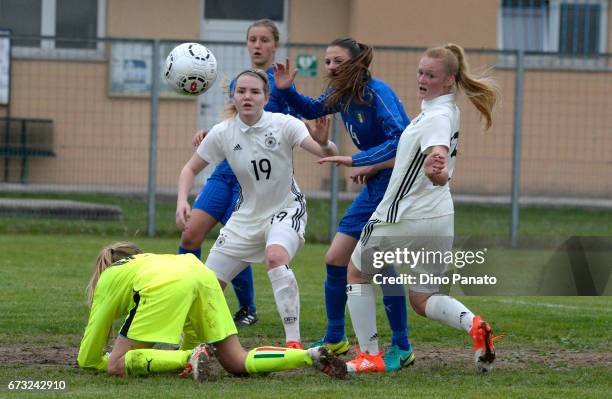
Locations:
(191, 69)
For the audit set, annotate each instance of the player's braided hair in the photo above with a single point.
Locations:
(482, 91)
(349, 83)
(107, 256)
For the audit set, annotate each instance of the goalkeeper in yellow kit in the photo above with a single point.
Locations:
(161, 298)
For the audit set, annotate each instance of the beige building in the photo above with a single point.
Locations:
(101, 134)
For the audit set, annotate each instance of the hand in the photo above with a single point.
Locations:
(320, 131)
(338, 159)
(283, 76)
(183, 210)
(435, 164)
(198, 137)
(361, 175)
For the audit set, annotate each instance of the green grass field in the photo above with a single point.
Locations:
(554, 346)
(469, 219)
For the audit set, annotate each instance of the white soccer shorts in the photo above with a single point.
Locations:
(239, 245)
(424, 235)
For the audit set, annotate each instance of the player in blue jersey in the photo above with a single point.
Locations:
(374, 117)
(217, 200)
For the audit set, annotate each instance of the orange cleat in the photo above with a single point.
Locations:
(484, 349)
(366, 363)
(199, 365)
(294, 345)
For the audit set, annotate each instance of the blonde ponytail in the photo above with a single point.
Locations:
(107, 256)
(229, 109)
(482, 91)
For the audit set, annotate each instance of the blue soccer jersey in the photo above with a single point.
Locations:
(375, 128)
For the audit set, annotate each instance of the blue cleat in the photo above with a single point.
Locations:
(395, 358)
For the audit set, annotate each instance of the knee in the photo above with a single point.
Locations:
(232, 358)
(190, 239)
(341, 249)
(234, 366)
(336, 257)
(354, 276)
(418, 303)
(116, 367)
(276, 256)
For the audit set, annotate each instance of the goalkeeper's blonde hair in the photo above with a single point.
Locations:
(107, 256)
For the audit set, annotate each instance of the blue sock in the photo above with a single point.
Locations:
(245, 292)
(335, 302)
(394, 298)
(196, 252)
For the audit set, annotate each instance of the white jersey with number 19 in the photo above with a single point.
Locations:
(261, 157)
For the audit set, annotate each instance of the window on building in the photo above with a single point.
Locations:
(78, 19)
(579, 28)
(228, 20)
(571, 27)
(244, 9)
(22, 17)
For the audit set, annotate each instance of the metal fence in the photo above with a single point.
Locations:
(110, 124)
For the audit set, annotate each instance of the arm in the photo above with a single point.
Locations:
(185, 183)
(318, 142)
(360, 175)
(198, 136)
(307, 107)
(339, 160)
(277, 102)
(317, 149)
(378, 154)
(384, 165)
(98, 329)
(436, 143)
(319, 132)
(436, 165)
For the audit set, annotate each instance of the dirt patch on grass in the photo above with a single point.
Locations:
(37, 355)
(428, 357)
(512, 358)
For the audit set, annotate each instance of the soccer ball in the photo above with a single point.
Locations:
(191, 69)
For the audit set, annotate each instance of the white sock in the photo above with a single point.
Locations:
(361, 301)
(449, 311)
(287, 297)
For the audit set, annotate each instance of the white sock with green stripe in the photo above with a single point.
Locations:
(268, 359)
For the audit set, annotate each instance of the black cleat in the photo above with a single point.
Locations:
(244, 317)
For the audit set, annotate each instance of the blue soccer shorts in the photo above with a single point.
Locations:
(364, 205)
(219, 195)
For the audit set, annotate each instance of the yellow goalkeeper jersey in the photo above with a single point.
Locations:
(155, 295)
